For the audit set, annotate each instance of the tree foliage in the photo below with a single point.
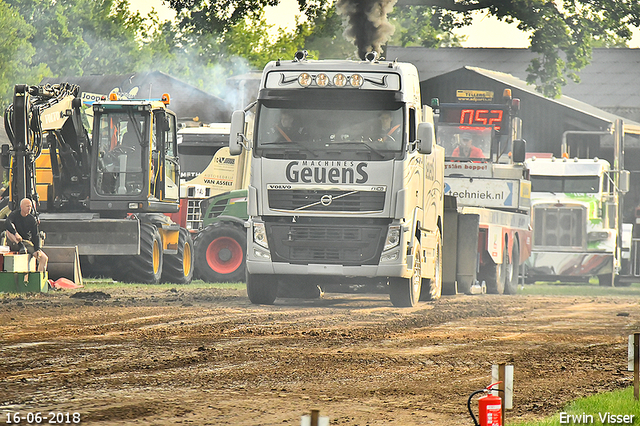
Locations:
(563, 32)
(16, 53)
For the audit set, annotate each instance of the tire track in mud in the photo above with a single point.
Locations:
(209, 357)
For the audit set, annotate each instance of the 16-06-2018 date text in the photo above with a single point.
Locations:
(37, 418)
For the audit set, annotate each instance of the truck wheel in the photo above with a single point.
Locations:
(511, 280)
(147, 266)
(178, 268)
(220, 251)
(405, 292)
(494, 274)
(432, 288)
(604, 280)
(262, 289)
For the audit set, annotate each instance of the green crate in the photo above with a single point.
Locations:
(14, 282)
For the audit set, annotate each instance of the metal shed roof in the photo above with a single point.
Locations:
(582, 107)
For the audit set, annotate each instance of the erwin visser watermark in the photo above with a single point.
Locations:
(605, 418)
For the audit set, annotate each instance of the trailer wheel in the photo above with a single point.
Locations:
(432, 288)
(511, 279)
(494, 274)
(178, 268)
(220, 251)
(147, 266)
(405, 292)
(262, 289)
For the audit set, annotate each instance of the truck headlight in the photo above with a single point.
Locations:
(393, 237)
(260, 235)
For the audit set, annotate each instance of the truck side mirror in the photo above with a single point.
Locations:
(519, 150)
(236, 133)
(5, 156)
(625, 181)
(425, 138)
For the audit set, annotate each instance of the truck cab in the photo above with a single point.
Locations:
(334, 195)
(574, 211)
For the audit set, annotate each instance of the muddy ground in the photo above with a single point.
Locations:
(185, 355)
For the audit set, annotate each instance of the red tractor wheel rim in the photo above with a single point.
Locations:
(224, 255)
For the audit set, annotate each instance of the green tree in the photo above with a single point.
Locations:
(112, 32)
(419, 26)
(74, 37)
(16, 53)
(562, 33)
(55, 41)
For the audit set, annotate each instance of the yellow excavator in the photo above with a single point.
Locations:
(102, 187)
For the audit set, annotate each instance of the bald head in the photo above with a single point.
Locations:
(25, 207)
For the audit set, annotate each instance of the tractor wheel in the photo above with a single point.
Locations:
(512, 269)
(494, 274)
(147, 266)
(262, 289)
(405, 292)
(178, 268)
(432, 288)
(220, 251)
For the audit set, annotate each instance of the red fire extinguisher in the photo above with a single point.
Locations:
(489, 407)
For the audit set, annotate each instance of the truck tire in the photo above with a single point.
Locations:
(220, 251)
(178, 268)
(405, 292)
(432, 288)
(262, 289)
(494, 274)
(512, 269)
(604, 280)
(146, 267)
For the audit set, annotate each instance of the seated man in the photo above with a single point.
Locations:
(385, 130)
(286, 131)
(467, 149)
(22, 233)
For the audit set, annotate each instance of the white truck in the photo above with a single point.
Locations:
(333, 202)
(577, 222)
(487, 225)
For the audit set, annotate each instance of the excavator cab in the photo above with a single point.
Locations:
(135, 163)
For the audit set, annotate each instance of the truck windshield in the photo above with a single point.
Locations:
(465, 142)
(565, 184)
(196, 150)
(317, 132)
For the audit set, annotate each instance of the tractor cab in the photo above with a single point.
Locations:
(134, 157)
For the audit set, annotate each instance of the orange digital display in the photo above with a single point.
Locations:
(492, 115)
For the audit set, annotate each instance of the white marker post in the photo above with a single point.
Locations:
(634, 363)
(314, 419)
(503, 373)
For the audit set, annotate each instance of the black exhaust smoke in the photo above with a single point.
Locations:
(366, 23)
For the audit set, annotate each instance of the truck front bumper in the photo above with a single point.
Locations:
(391, 270)
(563, 264)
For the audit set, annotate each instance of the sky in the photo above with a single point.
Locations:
(485, 32)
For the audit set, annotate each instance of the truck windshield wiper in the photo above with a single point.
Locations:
(288, 145)
(369, 147)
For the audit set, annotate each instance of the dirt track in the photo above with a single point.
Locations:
(208, 357)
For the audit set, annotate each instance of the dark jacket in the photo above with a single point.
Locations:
(27, 227)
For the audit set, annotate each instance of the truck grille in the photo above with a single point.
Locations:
(194, 217)
(327, 201)
(333, 244)
(559, 228)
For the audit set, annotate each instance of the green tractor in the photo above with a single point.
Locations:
(220, 247)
